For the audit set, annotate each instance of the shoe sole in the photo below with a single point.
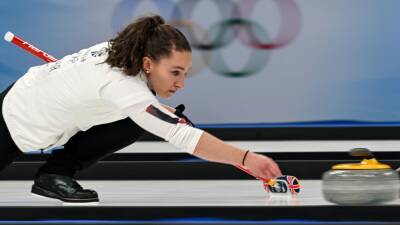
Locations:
(68, 203)
(45, 193)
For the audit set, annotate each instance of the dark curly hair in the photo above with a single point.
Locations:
(147, 36)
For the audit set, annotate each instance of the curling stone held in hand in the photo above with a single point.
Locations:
(368, 182)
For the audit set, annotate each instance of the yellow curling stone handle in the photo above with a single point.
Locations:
(365, 164)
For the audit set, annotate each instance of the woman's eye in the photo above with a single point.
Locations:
(176, 73)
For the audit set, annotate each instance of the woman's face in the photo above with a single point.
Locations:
(168, 74)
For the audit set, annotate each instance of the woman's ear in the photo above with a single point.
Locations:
(147, 64)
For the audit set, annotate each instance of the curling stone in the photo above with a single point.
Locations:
(367, 182)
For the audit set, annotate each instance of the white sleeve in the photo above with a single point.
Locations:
(161, 122)
(126, 93)
(143, 108)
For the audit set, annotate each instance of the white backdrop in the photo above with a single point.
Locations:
(323, 62)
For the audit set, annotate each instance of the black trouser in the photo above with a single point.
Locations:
(81, 151)
(8, 150)
(86, 148)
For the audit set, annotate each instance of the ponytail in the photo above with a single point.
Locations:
(147, 36)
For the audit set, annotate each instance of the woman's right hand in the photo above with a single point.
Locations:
(262, 166)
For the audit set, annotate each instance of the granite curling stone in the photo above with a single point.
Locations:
(367, 182)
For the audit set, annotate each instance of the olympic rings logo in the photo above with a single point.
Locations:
(233, 26)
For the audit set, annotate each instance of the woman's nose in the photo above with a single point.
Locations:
(180, 83)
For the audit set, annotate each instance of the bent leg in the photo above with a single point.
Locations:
(8, 150)
(86, 148)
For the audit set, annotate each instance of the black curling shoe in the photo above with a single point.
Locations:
(63, 188)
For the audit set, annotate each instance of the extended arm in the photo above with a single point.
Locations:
(214, 149)
(161, 122)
